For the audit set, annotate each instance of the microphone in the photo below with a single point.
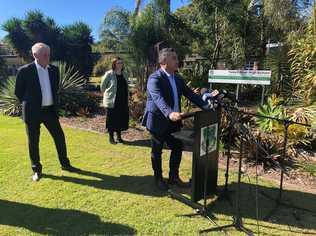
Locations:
(210, 98)
(225, 94)
(215, 97)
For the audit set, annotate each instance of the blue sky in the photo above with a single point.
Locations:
(69, 11)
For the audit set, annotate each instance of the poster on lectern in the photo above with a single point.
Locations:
(208, 134)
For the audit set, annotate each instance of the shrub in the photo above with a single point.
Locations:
(103, 64)
(137, 104)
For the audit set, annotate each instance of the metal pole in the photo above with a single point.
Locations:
(237, 92)
(262, 95)
(205, 174)
(286, 126)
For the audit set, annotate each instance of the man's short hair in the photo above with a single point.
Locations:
(38, 47)
(164, 53)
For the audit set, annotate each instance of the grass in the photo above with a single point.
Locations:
(115, 193)
(308, 167)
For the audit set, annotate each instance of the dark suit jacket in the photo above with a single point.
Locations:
(28, 91)
(160, 102)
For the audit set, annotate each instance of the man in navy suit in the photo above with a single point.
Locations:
(163, 115)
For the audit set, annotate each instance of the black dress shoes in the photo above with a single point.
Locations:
(120, 140)
(70, 168)
(178, 182)
(161, 184)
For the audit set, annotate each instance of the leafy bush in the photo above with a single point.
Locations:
(268, 148)
(299, 134)
(103, 64)
(137, 104)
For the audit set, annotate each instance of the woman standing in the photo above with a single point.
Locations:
(115, 98)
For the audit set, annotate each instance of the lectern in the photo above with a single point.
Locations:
(204, 143)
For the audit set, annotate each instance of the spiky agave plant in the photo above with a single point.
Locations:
(272, 108)
(9, 103)
(71, 93)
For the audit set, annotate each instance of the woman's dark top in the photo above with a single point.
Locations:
(117, 118)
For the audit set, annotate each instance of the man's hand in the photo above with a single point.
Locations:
(175, 116)
(214, 93)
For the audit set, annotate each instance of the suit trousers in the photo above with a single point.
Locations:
(49, 118)
(157, 142)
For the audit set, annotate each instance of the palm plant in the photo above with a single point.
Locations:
(9, 103)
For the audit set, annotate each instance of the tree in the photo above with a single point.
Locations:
(137, 7)
(77, 40)
(138, 34)
(17, 37)
(70, 43)
(115, 29)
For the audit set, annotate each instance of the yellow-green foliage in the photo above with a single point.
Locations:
(303, 63)
(272, 108)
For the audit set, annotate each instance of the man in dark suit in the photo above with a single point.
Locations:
(163, 115)
(36, 88)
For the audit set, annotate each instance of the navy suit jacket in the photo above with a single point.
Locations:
(160, 102)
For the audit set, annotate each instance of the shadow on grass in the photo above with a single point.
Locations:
(139, 143)
(56, 221)
(282, 215)
(143, 185)
(147, 143)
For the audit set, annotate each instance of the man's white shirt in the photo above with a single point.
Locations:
(43, 75)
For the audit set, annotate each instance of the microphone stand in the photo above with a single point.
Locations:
(286, 122)
(237, 219)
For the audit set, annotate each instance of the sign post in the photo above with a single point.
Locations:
(255, 77)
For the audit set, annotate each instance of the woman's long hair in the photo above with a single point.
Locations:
(115, 59)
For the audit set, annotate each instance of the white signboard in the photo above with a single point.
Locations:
(262, 77)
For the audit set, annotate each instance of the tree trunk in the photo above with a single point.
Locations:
(137, 7)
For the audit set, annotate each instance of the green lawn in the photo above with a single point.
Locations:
(115, 195)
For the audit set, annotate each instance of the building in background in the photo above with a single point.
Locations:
(12, 60)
